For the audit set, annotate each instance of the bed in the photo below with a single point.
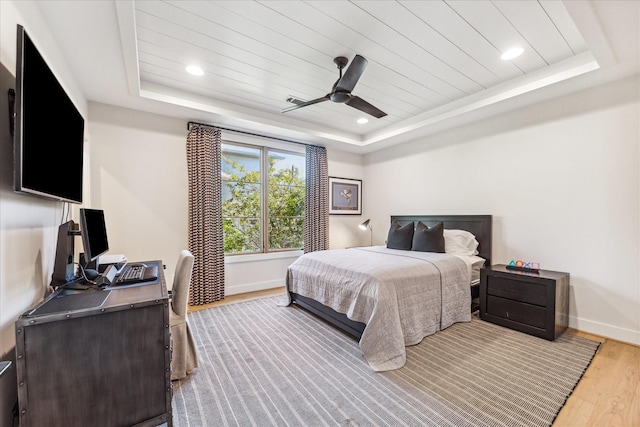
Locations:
(391, 298)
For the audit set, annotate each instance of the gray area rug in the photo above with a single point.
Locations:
(262, 364)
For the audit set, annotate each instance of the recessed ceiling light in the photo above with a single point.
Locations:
(363, 120)
(512, 53)
(195, 70)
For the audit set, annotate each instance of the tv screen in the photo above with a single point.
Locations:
(94, 233)
(49, 130)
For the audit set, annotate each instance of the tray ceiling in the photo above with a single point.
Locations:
(428, 61)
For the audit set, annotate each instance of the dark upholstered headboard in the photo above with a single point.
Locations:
(478, 225)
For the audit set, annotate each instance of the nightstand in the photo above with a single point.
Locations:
(534, 303)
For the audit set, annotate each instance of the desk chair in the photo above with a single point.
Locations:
(184, 357)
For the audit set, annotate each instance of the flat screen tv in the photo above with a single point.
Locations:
(49, 130)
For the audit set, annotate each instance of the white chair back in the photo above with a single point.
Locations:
(181, 282)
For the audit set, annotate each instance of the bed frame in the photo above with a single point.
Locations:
(479, 225)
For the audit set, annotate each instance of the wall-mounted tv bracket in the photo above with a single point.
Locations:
(12, 111)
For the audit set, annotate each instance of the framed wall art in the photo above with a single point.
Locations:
(345, 196)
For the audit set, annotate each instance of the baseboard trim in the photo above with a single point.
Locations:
(604, 330)
(252, 287)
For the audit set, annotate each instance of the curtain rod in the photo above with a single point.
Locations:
(191, 123)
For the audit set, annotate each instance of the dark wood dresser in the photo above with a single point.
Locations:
(534, 303)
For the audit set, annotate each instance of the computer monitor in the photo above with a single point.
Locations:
(94, 234)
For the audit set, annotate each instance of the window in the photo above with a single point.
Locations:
(263, 193)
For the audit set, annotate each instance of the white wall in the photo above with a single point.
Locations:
(28, 224)
(343, 229)
(560, 178)
(561, 181)
(139, 177)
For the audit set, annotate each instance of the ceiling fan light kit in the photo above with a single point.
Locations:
(341, 91)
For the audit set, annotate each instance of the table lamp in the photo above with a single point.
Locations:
(366, 225)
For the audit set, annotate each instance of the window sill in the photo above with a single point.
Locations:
(237, 259)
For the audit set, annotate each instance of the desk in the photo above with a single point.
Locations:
(101, 363)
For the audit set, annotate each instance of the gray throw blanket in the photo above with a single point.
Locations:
(401, 296)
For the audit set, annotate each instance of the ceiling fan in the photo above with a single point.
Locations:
(341, 91)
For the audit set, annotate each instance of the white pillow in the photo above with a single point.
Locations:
(460, 242)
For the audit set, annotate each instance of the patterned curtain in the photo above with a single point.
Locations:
(205, 214)
(316, 213)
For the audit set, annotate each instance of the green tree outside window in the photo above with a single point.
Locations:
(243, 207)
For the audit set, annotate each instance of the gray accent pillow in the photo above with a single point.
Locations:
(427, 239)
(400, 236)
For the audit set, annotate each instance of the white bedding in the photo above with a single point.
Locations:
(401, 296)
(476, 263)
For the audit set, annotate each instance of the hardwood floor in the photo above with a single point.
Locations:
(230, 299)
(608, 395)
(609, 392)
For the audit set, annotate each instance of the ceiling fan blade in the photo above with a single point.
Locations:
(352, 75)
(305, 104)
(362, 105)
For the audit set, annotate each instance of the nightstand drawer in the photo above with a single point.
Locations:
(515, 311)
(510, 288)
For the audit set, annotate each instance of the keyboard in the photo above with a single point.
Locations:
(136, 273)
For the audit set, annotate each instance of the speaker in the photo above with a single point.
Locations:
(63, 271)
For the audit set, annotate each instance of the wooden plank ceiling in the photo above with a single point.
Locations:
(421, 54)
